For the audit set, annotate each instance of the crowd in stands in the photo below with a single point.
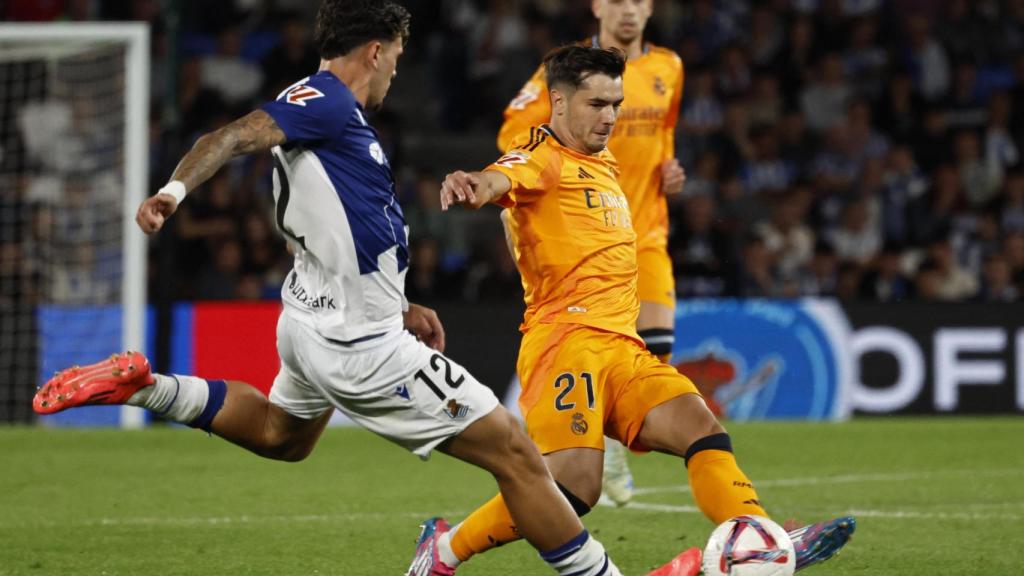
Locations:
(865, 149)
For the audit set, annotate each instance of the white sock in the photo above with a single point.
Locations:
(444, 548)
(178, 398)
(583, 555)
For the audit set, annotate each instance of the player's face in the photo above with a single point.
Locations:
(623, 19)
(386, 62)
(592, 109)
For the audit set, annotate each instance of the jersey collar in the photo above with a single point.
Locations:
(594, 43)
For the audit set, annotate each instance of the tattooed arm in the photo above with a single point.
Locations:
(254, 132)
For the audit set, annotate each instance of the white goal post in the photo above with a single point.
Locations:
(65, 49)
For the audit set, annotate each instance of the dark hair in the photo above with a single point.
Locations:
(342, 25)
(572, 64)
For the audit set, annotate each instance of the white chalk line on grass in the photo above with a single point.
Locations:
(243, 519)
(856, 512)
(1001, 514)
(846, 479)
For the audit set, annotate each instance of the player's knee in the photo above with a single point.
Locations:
(518, 456)
(283, 447)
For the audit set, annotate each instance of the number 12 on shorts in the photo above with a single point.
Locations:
(566, 382)
(437, 362)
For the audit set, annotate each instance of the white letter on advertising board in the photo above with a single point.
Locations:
(910, 371)
(951, 372)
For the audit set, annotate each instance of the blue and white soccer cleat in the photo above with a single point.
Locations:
(426, 562)
(818, 542)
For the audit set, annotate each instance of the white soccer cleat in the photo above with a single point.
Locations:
(617, 484)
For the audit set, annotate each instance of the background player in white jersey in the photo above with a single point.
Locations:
(342, 336)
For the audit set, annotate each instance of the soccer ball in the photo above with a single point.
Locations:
(749, 546)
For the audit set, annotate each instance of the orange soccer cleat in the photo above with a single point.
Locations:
(110, 381)
(687, 563)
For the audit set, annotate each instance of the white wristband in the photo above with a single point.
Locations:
(174, 188)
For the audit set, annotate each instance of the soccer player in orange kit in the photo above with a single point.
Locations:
(644, 146)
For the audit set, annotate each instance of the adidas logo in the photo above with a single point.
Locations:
(585, 175)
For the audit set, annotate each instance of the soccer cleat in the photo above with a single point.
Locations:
(818, 542)
(110, 381)
(687, 563)
(426, 562)
(617, 483)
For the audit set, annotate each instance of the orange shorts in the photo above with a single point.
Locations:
(582, 383)
(655, 282)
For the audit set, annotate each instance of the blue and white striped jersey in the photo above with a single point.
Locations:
(336, 205)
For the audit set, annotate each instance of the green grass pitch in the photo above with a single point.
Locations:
(932, 496)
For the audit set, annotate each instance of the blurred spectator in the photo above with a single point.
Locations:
(865, 62)
(821, 277)
(855, 239)
(788, 240)
(976, 177)
(1014, 252)
(494, 277)
(219, 278)
(954, 282)
(885, 281)
(933, 214)
(702, 253)
(997, 284)
(236, 80)
(290, 60)
(925, 55)
(767, 37)
(756, 278)
(899, 108)
(734, 74)
(903, 184)
(965, 108)
(766, 171)
(824, 100)
(1001, 152)
(1012, 209)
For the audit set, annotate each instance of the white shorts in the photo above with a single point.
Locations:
(393, 385)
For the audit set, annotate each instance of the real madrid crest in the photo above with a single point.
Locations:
(579, 424)
(659, 86)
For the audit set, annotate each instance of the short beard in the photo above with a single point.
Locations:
(624, 40)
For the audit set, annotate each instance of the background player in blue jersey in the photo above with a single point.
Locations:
(344, 335)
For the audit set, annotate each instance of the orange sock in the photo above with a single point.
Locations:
(720, 488)
(489, 526)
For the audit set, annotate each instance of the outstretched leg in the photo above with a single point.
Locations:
(231, 409)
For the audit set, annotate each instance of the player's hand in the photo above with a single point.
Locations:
(672, 177)
(459, 188)
(154, 211)
(423, 322)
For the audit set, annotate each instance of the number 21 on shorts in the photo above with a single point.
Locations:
(566, 382)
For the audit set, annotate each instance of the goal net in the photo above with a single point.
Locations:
(73, 167)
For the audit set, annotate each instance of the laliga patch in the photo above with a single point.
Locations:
(512, 158)
(299, 94)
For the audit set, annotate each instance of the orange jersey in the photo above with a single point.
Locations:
(643, 138)
(572, 233)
